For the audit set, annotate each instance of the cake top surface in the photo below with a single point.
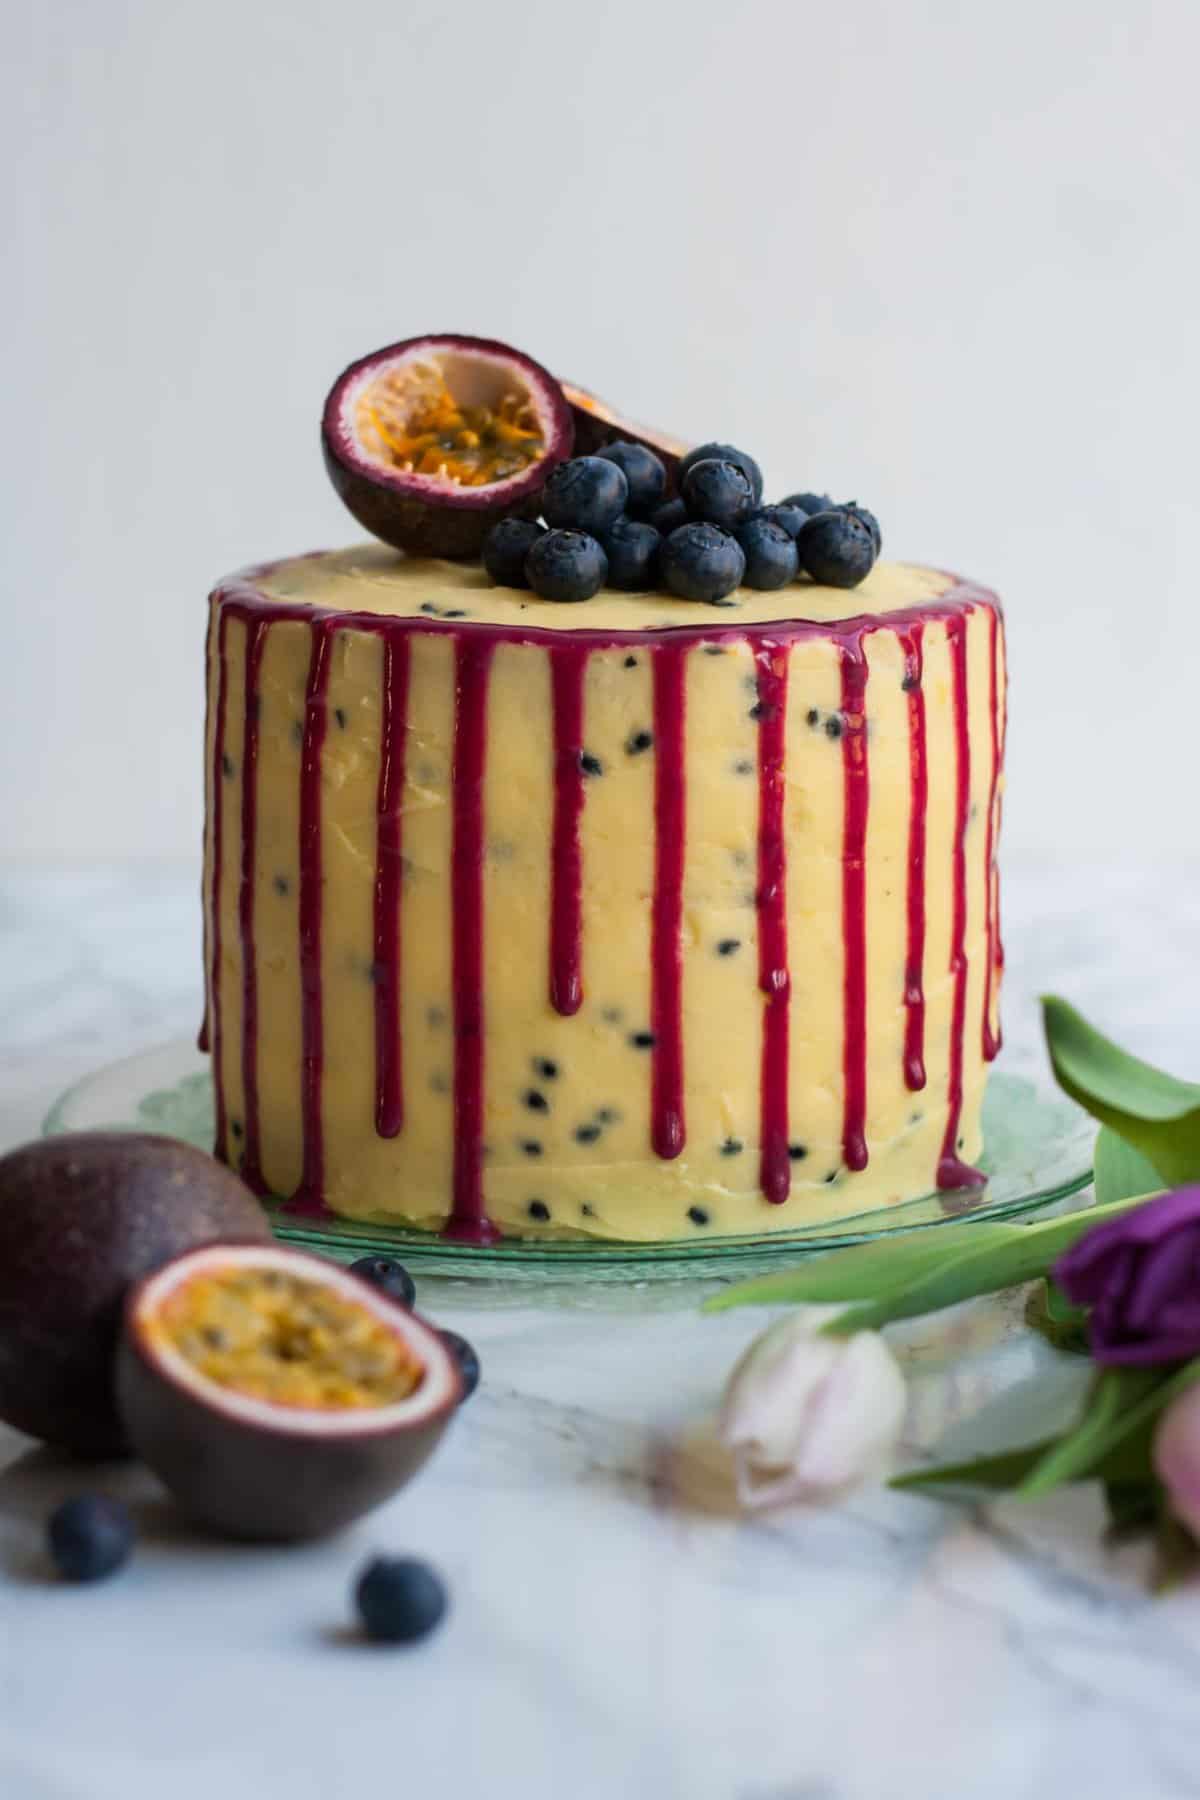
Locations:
(371, 579)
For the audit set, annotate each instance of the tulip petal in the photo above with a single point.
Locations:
(1176, 1456)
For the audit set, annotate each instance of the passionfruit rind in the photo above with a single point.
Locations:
(430, 441)
(254, 1468)
(597, 425)
(83, 1217)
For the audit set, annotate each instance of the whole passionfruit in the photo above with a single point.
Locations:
(429, 442)
(277, 1395)
(597, 425)
(82, 1217)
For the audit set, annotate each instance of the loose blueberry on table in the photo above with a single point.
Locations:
(89, 1537)
(399, 1599)
(388, 1275)
(467, 1358)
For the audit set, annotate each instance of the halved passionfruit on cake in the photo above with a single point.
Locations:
(430, 441)
(597, 425)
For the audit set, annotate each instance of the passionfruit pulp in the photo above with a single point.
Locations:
(430, 441)
(276, 1395)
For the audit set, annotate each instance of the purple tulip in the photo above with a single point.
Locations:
(1140, 1275)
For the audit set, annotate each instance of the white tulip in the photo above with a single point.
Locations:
(807, 1416)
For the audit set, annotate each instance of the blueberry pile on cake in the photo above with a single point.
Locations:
(604, 851)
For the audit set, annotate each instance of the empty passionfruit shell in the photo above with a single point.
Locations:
(276, 1395)
(597, 425)
(432, 440)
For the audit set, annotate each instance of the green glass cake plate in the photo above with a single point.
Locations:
(1037, 1149)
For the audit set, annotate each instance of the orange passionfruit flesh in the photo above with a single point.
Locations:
(430, 441)
(410, 417)
(273, 1335)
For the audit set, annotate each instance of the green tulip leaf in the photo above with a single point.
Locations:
(1120, 1170)
(861, 1271)
(1122, 1404)
(1158, 1115)
(899, 1278)
(1064, 1326)
(1005, 1470)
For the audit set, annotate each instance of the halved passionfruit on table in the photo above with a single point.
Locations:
(597, 425)
(277, 1395)
(429, 442)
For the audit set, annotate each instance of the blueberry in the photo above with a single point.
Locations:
(868, 518)
(465, 1356)
(587, 493)
(669, 516)
(505, 548)
(399, 1599)
(632, 550)
(836, 549)
(643, 472)
(699, 562)
(389, 1276)
(566, 565)
(89, 1537)
(725, 453)
(718, 492)
(791, 518)
(771, 560)
(808, 503)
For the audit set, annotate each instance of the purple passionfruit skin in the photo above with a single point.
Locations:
(425, 514)
(83, 1217)
(597, 425)
(258, 1470)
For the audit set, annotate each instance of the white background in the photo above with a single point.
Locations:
(940, 256)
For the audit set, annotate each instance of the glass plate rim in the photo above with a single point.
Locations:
(343, 1237)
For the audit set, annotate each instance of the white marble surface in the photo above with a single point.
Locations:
(617, 1630)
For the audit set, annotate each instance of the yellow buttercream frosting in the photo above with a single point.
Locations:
(567, 1129)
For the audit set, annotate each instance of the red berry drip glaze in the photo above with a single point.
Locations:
(309, 1197)
(221, 771)
(775, 1169)
(568, 665)
(251, 1170)
(912, 643)
(389, 878)
(857, 789)
(668, 651)
(952, 1171)
(667, 1125)
(992, 1036)
(468, 1222)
